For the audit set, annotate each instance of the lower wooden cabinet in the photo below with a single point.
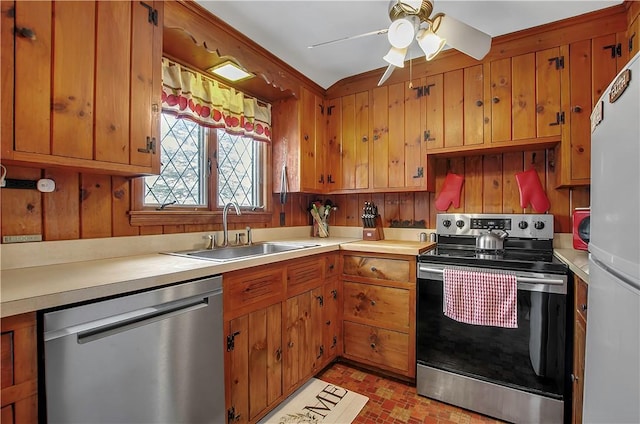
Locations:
(378, 311)
(19, 376)
(579, 339)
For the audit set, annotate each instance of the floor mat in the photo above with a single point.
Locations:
(318, 402)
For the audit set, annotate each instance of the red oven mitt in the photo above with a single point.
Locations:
(531, 191)
(450, 192)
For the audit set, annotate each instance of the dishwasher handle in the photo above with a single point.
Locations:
(109, 326)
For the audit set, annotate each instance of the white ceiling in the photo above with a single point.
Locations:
(287, 28)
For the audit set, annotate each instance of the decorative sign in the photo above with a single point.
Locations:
(596, 116)
(619, 85)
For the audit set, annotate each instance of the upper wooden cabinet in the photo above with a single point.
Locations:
(299, 129)
(87, 85)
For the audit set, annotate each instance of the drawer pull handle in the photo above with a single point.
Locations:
(373, 303)
(373, 345)
(334, 294)
(328, 322)
(374, 269)
(583, 307)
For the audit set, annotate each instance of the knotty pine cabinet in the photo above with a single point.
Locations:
(19, 381)
(87, 85)
(379, 311)
(282, 324)
(579, 344)
(299, 128)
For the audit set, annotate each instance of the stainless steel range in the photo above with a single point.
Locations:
(515, 374)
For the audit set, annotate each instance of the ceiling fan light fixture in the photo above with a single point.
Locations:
(430, 43)
(396, 56)
(402, 31)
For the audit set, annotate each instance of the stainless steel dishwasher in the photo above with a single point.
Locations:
(150, 357)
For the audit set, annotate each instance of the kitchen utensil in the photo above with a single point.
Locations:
(491, 241)
(531, 191)
(450, 192)
(322, 230)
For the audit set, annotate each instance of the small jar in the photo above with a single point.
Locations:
(423, 237)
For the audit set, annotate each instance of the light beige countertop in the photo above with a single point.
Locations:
(398, 247)
(51, 274)
(578, 261)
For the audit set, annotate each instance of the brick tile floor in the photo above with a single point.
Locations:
(394, 402)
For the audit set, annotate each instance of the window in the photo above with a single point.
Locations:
(188, 151)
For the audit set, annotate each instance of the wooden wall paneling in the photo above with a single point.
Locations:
(523, 73)
(335, 144)
(580, 198)
(453, 108)
(512, 163)
(391, 217)
(421, 208)
(349, 140)
(380, 149)
(198, 228)
(339, 216)
(113, 34)
(456, 166)
(176, 229)
(432, 210)
(120, 206)
(95, 206)
(353, 212)
(363, 140)
(442, 166)
(559, 199)
(73, 76)
(500, 100)
(537, 159)
(604, 67)
(413, 130)
(580, 106)
(492, 179)
(473, 186)
(395, 161)
(434, 128)
(473, 105)
(406, 209)
(21, 209)
(150, 230)
(547, 93)
(61, 208)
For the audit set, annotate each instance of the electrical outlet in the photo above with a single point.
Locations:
(22, 239)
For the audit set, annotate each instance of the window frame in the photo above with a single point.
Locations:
(145, 215)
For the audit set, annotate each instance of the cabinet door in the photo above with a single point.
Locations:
(19, 377)
(523, 96)
(254, 362)
(501, 100)
(415, 149)
(311, 149)
(372, 345)
(331, 321)
(355, 141)
(473, 105)
(579, 340)
(335, 142)
(633, 37)
(454, 108)
(434, 127)
(605, 64)
(88, 98)
(548, 114)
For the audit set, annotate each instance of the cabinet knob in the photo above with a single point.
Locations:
(583, 307)
(328, 323)
(574, 378)
(365, 138)
(290, 344)
(373, 345)
(26, 33)
(373, 303)
(495, 100)
(306, 137)
(278, 354)
(331, 267)
(577, 109)
(374, 269)
(479, 103)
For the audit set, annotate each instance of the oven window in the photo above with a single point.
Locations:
(530, 357)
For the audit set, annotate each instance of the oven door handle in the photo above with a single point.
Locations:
(519, 279)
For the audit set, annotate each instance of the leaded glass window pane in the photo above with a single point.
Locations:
(240, 170)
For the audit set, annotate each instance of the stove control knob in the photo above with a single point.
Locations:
(538, 225)
(459, 223)
(446, 223)
(523, 225)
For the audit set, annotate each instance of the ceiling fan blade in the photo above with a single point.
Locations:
(352, 37)
(386, 74)
(465, 38)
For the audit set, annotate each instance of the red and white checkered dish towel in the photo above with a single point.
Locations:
(481, 298)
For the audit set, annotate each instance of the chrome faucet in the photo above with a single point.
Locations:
(225, 231)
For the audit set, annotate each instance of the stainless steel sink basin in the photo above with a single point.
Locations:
(223, 254)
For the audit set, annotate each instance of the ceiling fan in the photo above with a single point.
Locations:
(411, 19)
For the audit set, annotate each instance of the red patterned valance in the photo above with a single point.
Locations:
(189, 94)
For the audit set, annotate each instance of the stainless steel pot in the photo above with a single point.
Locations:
(491, 241)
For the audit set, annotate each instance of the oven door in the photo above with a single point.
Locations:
(530, 358)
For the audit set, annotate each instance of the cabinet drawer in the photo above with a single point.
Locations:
(331, 265)
(581, 289)
(386, 306)
(385, 348)
(304, 275)
(246, 291)
(379, 268)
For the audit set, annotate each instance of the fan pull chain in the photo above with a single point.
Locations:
(410, 72)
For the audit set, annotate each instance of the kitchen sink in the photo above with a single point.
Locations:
(223, 254)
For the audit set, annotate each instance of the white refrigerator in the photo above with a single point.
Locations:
(612, 358)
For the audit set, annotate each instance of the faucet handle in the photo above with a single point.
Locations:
(249, 240)
(213, 241)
